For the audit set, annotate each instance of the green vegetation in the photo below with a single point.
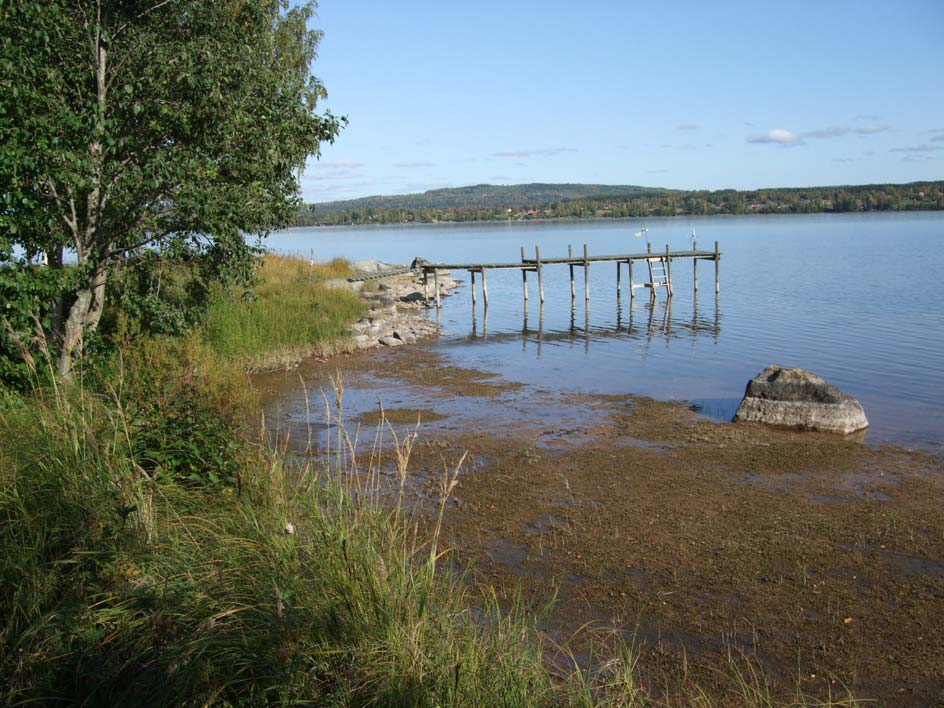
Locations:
(574, 201)
(126, 126)
(288, 315)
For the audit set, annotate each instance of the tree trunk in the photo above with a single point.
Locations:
(73, 331)
(84, 316)
(98, 302)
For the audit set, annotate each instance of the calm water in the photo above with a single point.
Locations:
(855, 298)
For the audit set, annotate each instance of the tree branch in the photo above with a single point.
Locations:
(142, 14)
(72, 223)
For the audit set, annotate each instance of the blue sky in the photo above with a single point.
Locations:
(688, 95)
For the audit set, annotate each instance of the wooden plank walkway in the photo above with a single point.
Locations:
(659, 266)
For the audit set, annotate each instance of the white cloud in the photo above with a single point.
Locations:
(918, 148)
(687, 126)
(338, 164)
(779, 136)
(834, 132)
(333, 174)
(533, 152)
(413, 165)
(871, 129)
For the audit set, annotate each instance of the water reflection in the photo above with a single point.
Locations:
(640, 320)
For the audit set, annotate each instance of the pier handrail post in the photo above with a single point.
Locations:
(537, 257)
(524, 279)
(717, 269)
(570, 266)
(586, 274)
(695, 264)
(668, 270)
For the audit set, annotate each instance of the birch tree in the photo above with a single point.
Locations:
(128, 124)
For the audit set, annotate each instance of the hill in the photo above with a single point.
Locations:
(488, 195)
(486, 202)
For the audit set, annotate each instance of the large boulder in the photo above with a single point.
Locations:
(795, 398)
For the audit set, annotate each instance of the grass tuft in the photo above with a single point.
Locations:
(291, 313)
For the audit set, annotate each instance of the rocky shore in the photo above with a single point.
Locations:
(398, 309)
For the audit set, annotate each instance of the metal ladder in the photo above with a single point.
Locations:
(658, 274)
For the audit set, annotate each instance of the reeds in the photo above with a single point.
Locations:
(289, 314)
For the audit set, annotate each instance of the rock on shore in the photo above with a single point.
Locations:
(397, 307)
(795, 398)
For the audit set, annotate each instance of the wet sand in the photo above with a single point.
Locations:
(820, 557)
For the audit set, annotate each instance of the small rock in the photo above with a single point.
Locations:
(391, 341)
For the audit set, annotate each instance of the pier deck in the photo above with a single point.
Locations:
(659, 265)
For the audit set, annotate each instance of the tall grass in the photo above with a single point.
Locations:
(289, 314)
(122, 589)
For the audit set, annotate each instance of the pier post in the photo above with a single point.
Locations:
(537, 258)
(524, 280)
(652, 288)
(619, 291)
(485, 294)
(472, 274)
(426, 287)
(668, 270)
(586, 274)
(695, 265)
(632, 288)
(436, 286)
(570, 256)
(717, 269)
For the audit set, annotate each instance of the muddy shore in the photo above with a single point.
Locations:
(818, 557)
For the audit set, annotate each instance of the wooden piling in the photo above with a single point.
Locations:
(573, 290)
(485, 296)
(472, 274)
(537, 258)
(717, 269)
(436, 286)
(619, 292)
(632, 288)
(586, 273)
(524, 279)
(425, 287)
(695, 265)
(668, 270)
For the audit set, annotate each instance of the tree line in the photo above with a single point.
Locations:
(914, 196)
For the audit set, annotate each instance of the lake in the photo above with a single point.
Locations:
(855, 298)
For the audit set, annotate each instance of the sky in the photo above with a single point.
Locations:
(677, 94)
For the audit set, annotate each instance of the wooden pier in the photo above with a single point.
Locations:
(658, 273)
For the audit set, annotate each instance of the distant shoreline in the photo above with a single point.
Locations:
(537, 201)
(600, 219)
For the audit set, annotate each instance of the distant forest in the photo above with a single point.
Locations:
(588, 201)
